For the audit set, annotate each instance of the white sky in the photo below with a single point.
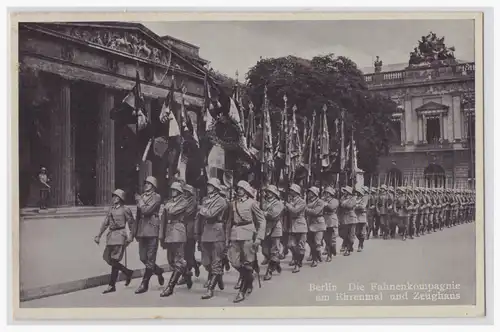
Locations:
(231, 46)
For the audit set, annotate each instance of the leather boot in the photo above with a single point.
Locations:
(329, 254)
(249, 282)
(188, 278)
(174, 277)
(314, 254)
(159, 273)
(208, 280)
(269, 271)
(225, 263)
(243, 289)
(182, 280)
(238, 283)
(211, 286)
(197, 268)
(127, 272)
(144, 286)
(220, 282)
(347, 251)
(114, 275)
(277, 267)
(360, 245)
(298, 264)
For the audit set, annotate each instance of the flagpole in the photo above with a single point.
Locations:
(311, 148)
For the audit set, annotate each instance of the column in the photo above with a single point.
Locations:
(105, 162)
(457, 118)
(409, 123)
(419, 128)
(445, 127)
(441, 127)
(145, 168)
(62, 167)
(424, 129)
(403, 129)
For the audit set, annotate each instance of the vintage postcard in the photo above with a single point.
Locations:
(271, 165)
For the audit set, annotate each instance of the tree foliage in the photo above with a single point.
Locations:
(331, 80)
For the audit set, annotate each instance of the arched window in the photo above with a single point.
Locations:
(434, 176)
(394, 177)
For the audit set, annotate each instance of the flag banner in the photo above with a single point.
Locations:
(216, 158)
(325, 143)
(268, 157)
(193, 119)
(167, 116)
(342, 144)
(182, 166)
(228, 179)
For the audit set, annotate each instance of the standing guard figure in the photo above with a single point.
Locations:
(173, 237)
(189, 221)
(210, 230)
(360, 210)
(402, 207)
(247, 231)
(147, 231)
(331, 221)
(119, 221)
(316, 223)
(348, 203)
(296, 207)
(370, 211)
(273, 209)
(383, 201)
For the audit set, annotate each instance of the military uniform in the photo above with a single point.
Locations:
(332, 223)
(361, 214)
(298, 227)
(118, 222)
(402, 211)
(146, 232)
(189, 221)
(273, 209)
(316, 224)
(383, 201)
(173, 238)
(348, 204)
(370, 211)
(247, 230)
(210, 230)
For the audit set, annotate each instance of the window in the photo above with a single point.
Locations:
(433, 134)
(396, 131)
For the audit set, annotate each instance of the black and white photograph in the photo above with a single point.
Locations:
(249, 164)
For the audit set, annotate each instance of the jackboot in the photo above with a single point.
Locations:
(144, 286)
(188, 278)
(269, 271)
(159, 272)
(197, 268)
(210, 289)
(174, 277)
(360, 245)
(314, 255)
(238, 283)
(277, 267)
(220, 282)
(242, 290)
(249, 282)
(298, 264)
(225, 263)
(112, 281)
(208, 280)
(127, 272)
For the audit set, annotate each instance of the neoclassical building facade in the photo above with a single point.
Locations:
(71, 75)
(434, 126)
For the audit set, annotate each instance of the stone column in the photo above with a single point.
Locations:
(441, 127)
(409, 123)
(145, 168)
(445, 127)
(402, 125)
(424, 129)
(457, 118)
(62, 166)
(419, 129)
(105, 162)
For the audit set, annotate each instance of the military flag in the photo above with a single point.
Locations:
(325, 142)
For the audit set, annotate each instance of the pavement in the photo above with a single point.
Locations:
(388, 272)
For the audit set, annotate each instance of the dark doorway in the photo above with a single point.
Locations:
(435, 176)
(84, 115)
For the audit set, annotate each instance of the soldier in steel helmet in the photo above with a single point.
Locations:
(210, 231)
(147, 231)
(173, 237)
(316, 223)
(360, 209)
(348, 204)
(295, 207)
(247, 232)
(273, 209)
(331, 221)
(118, 222)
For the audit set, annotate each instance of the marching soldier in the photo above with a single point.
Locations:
(118, 221)
(370, 211)
(401, 208)
(173, 237)
(331, 221)
(147, 230)
(224, 192)
(247, 231)
(348, 203)
(425, 208)
(316, 223)
(210, 231)
(284, 238)
(383, 201)
(360, 210)
(391, 213)
(189, 221)
(295, 207)
(273, 209)
(414, 214)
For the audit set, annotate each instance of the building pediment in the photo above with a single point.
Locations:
(432, 108)
(128, 39)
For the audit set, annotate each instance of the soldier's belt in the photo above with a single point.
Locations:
(116, 228)
(243, 223)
